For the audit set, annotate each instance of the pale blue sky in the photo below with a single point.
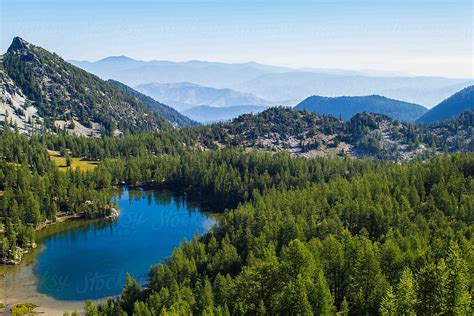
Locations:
(418, 37)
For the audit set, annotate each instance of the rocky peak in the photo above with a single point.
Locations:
(20, 47)
(18, 44)
(65, 94)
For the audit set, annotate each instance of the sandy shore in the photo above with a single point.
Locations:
(19, 285)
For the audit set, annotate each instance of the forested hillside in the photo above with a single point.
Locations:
(346, 107)
(364, 135)
(451, 107)
(68, 97)
(166, 112)
(396, 239)
(305, 236)
(57, 96)
(305, 228)
(35, 192)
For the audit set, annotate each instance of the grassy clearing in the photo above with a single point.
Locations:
(23, 309)
(60, 162)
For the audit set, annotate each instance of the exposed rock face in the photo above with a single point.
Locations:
(15, 109)
(18, 44)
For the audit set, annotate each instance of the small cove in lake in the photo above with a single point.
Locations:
(84, 260)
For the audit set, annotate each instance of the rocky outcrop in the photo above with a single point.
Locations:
(14, 257)
(114, 214)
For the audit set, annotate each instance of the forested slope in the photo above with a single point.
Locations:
(166, 112)
(69, 97)
(303, 236)
(34, 193)
(346, 107)
(451, 107)
(365, 135)
(394, 240)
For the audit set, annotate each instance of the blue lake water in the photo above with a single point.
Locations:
(90, 260)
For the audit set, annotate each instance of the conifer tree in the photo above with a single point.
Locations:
(406, 299)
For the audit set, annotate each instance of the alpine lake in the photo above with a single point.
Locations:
(89, 260)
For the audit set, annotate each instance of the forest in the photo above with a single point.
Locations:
(390, 241)
(298, 236)
(35, 192)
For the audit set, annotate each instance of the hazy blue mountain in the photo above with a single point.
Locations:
(135, 72)
(451, 107)
(278, 83)
(208, 114)
(427, 91)
(166, 112)
(184, 95)
(346, 107)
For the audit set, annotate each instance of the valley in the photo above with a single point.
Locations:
(237, 205)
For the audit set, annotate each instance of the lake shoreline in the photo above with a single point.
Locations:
(23, 283)
(61, 219)
(27, 292)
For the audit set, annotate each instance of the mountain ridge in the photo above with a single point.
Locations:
(308, 134)
(348, 106)
(161, 109)
(276, 83)
(209, 114)
(71, 98)
(298, 85)
(450, 107)
(185, 95)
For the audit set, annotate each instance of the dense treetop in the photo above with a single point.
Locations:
(394, 240)
(303, 236)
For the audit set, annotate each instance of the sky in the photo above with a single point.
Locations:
(418, 37)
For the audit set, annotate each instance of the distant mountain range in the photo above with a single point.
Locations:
(426, 91)
(184, 95)
(208, 114)
(161, 109)
(346, 107)
(40, 90)
(135, 72)
(277, 83)
(451, 107)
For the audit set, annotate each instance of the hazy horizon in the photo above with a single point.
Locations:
(409, 37)
(364, 71)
